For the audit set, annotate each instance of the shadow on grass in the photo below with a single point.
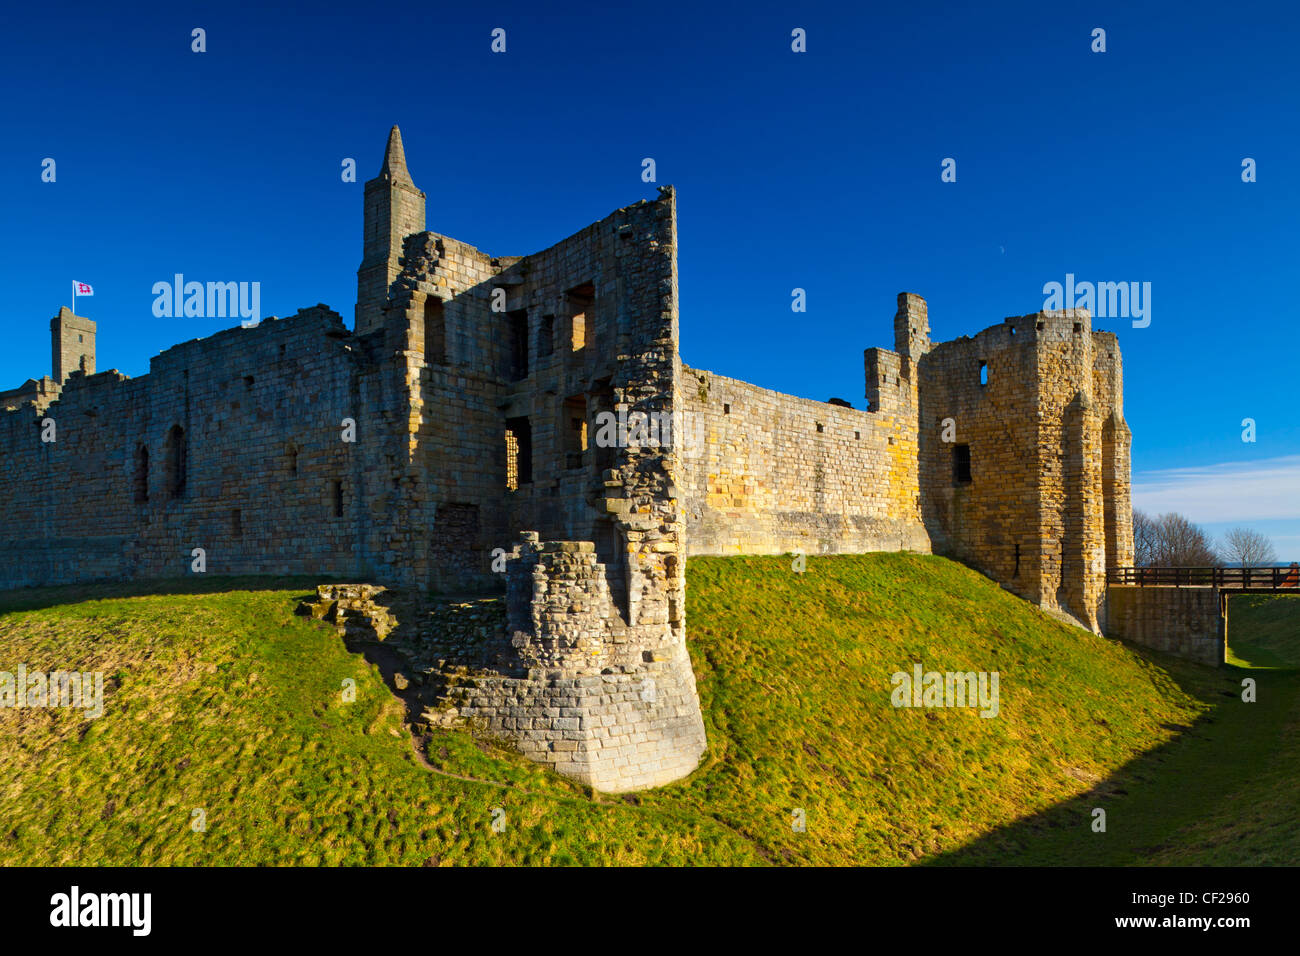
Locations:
(39, 599)
(1149, 800)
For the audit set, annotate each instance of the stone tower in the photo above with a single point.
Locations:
(72, 344)
(394, 209)
(911, 326)
(1024, 458)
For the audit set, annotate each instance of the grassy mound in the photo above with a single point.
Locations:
(227, 738)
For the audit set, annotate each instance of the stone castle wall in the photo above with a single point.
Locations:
(540, 344)
(230, 444)
(476, 384)
(767, 473)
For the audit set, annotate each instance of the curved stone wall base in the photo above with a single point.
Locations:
(614, 732)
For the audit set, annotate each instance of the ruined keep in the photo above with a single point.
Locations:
(477, 387)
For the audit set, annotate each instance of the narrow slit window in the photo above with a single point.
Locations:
(435, 331)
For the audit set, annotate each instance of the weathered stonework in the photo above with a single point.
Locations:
(611, 705)
(766, 473)
(466, 405)
(1184, 621)
(1045, 508)
(572, 686)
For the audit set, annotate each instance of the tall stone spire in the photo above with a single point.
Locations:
(393, 209)
(394, 167)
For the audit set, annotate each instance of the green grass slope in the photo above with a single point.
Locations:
(221, 700)
(1264, 630)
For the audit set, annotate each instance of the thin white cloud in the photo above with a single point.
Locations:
(1267, 490)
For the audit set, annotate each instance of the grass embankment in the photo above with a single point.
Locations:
(220, 699)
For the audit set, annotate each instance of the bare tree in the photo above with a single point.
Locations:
(1171, 541)
(1181, 544)
(1248, 548)
(1144, 539)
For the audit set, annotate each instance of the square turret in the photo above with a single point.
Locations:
(72, 344)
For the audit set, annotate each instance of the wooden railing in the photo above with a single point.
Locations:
(1261, 579)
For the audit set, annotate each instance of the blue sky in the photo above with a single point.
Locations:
(818, 170)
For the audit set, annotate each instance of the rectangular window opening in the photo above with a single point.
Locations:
(519, 453)
(574, 425)
(579, 302)
(961, 465)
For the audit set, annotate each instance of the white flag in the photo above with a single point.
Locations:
(80, 289)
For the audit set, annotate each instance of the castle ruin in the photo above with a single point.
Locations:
(480, 389)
